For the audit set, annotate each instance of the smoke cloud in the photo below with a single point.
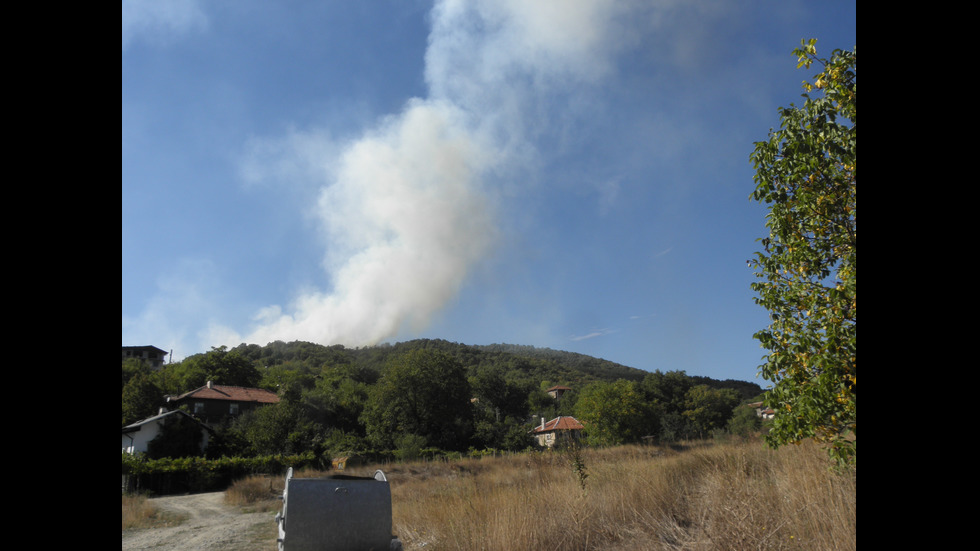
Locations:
(406, 219)
(409, 208)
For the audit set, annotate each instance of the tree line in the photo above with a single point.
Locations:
(431, 394)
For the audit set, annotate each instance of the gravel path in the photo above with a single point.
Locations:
(210, 524)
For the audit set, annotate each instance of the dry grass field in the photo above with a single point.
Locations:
(737, 495)
(700, 495)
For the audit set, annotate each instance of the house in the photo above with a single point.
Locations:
(557, 392)
(213, 403)
(559, 428)
(151, 355)
(137, 436)
(767, 413)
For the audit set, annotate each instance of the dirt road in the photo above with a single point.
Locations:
(210, 525)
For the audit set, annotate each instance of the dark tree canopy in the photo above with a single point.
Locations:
(141, 398)
(423, 393)
(180, 436)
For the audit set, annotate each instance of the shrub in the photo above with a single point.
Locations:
(260, 492)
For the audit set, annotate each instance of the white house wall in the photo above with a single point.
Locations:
(136, 441)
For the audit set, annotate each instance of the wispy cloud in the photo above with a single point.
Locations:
(608, 193)
(592, 335)
(187, 294)
(160, 21)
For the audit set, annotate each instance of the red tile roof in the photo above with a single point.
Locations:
(232, 393)
(560, 423)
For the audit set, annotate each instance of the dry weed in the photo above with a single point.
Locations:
(256, 493)
(139, 513)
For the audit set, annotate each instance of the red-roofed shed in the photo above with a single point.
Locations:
(560, 427)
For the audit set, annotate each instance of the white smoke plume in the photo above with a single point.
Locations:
(408, 210)
(406, 219)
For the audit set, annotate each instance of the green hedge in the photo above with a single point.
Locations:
(198, 474)
(269, 464)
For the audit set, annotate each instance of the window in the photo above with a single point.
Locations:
(198, 407)
(233, 408)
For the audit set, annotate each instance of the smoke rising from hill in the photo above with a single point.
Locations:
(409, 208)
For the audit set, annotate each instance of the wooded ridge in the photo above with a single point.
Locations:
(433, 394)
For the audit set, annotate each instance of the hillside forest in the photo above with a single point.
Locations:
(426, 396)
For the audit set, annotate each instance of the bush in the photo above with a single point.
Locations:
(409, 447)
(261, 491)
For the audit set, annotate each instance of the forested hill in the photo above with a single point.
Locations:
(521, 364)
(433, 393)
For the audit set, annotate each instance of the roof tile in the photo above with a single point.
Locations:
(560, 423)
(232, 393)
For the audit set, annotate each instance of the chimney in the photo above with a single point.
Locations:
(542, 422)
(210, 384)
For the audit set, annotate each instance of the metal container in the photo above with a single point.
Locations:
(337, 513)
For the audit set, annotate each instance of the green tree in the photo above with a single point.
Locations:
(425, 393)
(807, 173)
(675, 426)
(288, 376)
(219, 365)
(498, 397)
(744, 421)
(338, 399)
(283, 427)
(140, 398)
(132, 367)
(615, 413)
(226, 367)
(668, 394)
(709, 408)
(180, 436)
(668, 390)
(541, 403)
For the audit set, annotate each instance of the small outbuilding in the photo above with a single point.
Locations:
(561, 428)
(558, 391)
(765, 413)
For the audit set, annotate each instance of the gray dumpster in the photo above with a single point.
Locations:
(337, 513)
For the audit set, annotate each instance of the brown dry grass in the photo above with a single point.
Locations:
(138, 513)
(261, 493)
(256, 493)
(737, 495)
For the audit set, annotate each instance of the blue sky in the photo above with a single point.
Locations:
(563, 174)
